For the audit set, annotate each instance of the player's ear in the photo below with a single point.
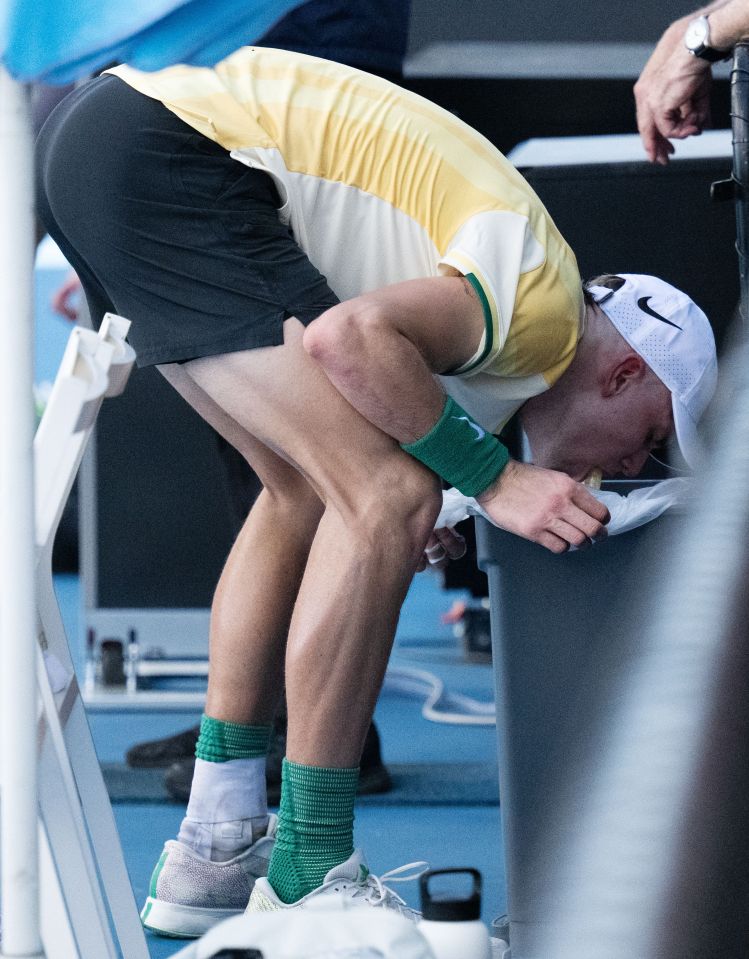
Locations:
(622, 373)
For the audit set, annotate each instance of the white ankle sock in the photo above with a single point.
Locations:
(228, 808)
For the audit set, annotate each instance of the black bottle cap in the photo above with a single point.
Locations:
(238, 954)
(444, 909)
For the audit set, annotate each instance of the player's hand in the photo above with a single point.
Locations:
(545, 507)
(444, 544)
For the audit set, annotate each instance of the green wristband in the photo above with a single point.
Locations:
(460, 451)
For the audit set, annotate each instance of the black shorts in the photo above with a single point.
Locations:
(165, 228)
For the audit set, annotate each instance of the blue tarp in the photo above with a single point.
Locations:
(58, 41)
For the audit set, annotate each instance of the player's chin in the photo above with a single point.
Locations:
(575, 471)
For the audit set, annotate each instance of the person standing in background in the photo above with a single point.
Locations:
(672, 93)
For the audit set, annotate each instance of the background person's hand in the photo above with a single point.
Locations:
(544, 506)
(64, 299)
(672, 95)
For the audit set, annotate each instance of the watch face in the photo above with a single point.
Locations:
(697, 35)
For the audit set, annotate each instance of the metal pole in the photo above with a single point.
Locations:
(19, 873)
(740, 126)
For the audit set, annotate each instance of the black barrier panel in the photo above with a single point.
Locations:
(643, 218)
(163, 521)
(740, 125)
(509, 110)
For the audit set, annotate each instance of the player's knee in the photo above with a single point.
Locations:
(421, 510)
(324, 337)
(397, 508)
(339, 335)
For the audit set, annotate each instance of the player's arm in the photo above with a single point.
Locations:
(382, 351)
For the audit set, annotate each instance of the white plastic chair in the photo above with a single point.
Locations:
(87, 906)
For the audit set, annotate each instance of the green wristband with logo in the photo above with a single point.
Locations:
(460, 451)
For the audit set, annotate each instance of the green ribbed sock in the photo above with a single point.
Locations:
(219, 742)
(315, 827)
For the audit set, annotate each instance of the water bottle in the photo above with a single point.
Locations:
(452, 926)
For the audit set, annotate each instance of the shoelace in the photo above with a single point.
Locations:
(376, 891)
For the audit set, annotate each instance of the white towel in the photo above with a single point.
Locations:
(627, 512)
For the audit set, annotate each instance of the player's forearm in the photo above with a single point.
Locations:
(378, 370)
(383, 374)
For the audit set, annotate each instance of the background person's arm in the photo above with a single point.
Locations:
(381, 351)
(672, 94)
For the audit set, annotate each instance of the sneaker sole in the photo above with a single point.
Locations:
(181, 922)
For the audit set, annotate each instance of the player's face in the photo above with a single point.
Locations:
(627, 429)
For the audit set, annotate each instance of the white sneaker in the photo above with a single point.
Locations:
(352, 881)
(189, 894)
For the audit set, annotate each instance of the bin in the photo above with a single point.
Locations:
(553, 626)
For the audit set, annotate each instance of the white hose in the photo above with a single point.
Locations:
(440, 705)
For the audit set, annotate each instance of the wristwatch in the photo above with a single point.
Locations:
(697, 41)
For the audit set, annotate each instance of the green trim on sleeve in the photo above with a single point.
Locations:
(488, 328)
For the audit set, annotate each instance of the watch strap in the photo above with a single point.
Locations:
(711, 54)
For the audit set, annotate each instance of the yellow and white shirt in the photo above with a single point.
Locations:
(379, 185)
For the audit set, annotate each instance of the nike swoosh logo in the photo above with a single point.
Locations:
(643, 304)
(480, 433)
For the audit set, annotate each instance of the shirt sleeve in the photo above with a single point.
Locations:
(492, 250)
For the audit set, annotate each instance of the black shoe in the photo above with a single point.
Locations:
(163, 752)
(373, 776)
(178, 779)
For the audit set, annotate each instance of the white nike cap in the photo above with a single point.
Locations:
(674, 337)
